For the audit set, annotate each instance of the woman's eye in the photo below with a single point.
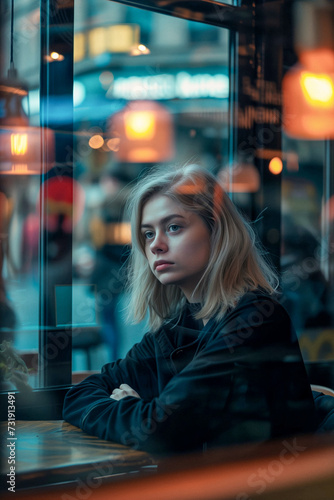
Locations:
(173, 228)
(148, 235)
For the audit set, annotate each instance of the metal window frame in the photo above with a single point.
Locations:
(211, 12)
(57, 34)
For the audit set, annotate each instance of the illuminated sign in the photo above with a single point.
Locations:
(182, 85)
(105, 91)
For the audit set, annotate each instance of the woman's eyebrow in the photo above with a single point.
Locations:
(164, 220)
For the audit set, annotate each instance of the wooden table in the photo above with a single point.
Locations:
(50, 452)
(299, 467)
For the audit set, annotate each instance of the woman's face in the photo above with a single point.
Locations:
(177, 243)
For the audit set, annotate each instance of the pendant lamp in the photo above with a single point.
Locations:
(145, 132)
(308, 87)
(20, 144)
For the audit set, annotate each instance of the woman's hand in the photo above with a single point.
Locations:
(123, 391)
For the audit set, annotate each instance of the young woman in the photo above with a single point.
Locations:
(221, 363)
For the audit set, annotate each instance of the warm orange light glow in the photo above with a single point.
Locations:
(18, 144)
(140, 49)
(143, 155)
(139, 125)
(145, 132)
(13, 90)
(308, 96)
(21, 150)
(96, 141)
(20, 169)
(218, 477)
(275, 165)
(119, 234)
(290, 157)
(317, 60)
(317, 89)
(54, 56)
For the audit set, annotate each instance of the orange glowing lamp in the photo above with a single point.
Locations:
(145, 133)
(308, 96)
(18, 144)
(308, 87)
(139, 125)
(20, 150)
(21, 144)
(318, 90)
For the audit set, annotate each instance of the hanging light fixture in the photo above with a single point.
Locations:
(308, 87)
(20, 144)
(145, 132)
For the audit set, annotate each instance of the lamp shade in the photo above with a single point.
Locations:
(20, 149)
(145, 132)
(308, 96)
(21, 144)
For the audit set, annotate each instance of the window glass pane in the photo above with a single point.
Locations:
(307, 246)
(36, 190)
(148, 89)
(307, 189)
(19, 194)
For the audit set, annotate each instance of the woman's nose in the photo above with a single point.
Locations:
(159, 244)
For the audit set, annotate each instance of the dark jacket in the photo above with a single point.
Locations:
(236, 380)
(324, 406)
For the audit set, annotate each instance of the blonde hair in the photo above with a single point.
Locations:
(236, 264)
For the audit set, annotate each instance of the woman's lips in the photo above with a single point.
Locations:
(162, 266)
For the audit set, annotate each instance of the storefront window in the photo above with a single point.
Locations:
(106, 96)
